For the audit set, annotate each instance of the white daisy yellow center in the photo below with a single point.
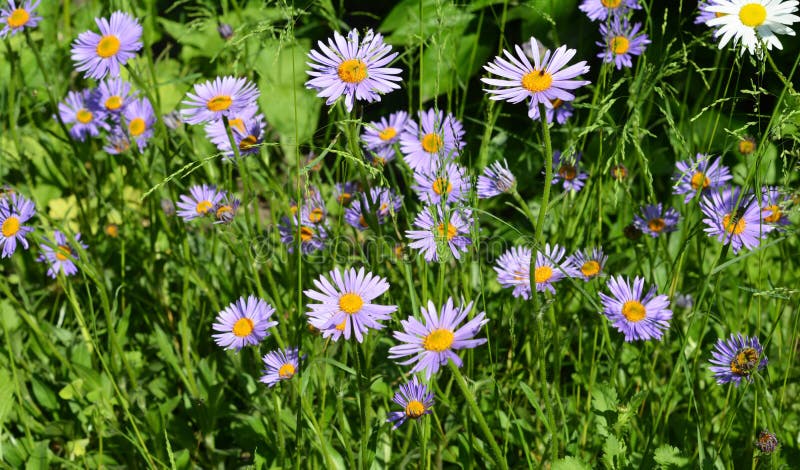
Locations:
(442, 186)
(656, 225)
(431, 143)
(700, 180)
(84, 116)
(18, 18)
(113, 103)
(137, 127)
(753, 14)
(108, 46)
(219, 103)
(451, 231)
(352, 71)
(286, 371)
(415, 409)
(388, 133)
(243, 327)
(438, 340)
(619, 44)
(203, 207)
(733, 224)
(590, 268)
(10, 226)
(634, 311)
(542, 274)
(537, 81)
(350, 303)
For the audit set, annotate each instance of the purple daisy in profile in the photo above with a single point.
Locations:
(248, 134)
(139, 117)
(379, 157)
(416, 401)
(312, 237)
(773, 206)
(384, 133)
(346, 306)
(280, 365)
(701, 173)
(113, 94)
(226, 209)
(588, 264)
(703, 14)
(225, 96)
(102, 54)
(730, 220)
(514, 270)
(550, 268)
(353, 68)
(543, 82)
(15, 210)
(346, 192)
(736, 359)
(435, 140)
(201, 201)
(15, 18)
(117, 142)
(80, 110)
(637, 317)
(61, 256)
(448, 181)
(599, 10)
(621, 40)
(243, 322)
(495, 180)
(654, 220)
(434, 342)
(381, 203)
(567, 171)
(441, 231)
(560, 111)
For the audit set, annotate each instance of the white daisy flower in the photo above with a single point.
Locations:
(755, 22)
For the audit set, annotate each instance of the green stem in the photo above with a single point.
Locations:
(548, 175)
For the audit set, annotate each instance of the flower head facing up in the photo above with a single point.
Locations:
(248, 134)
(701, 173)
(599, 10)
(200, 202)
(60, 254)
(346, 306)
(435, 341)
(543, 82)
(550, 268)
(514, 270)
(243, 322)
(139, 119)
(568, 172)
(15, 18)
(588, 264)
(113, 95)
(560, 111)
(385, 133)
(638, 317)
(280, 365)
(754, 23)
(735, 218)
(449, 182)
(311, 236)
(225, 96)
(736, 359)
(495, 180)
(81, 110)
(441, 232)
(654, 220)
(380, 203)
(433, 142)
(102, 54)
(353, 68)
(15, 210)
(621, 41)
(416, 401)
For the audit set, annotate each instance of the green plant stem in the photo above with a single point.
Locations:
(548, 174)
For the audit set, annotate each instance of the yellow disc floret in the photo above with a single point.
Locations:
(350, 303)
(438, 340)
(243, 327)
(219, 103)
(108, 46)
(753, 14)
(18, 18)
(352, 71)
(634, 311)
(537, 81)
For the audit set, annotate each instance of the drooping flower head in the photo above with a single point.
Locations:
(248, 134)
(588, 264)
(550, 268)
(226, 96)
(312, 236)
(117, 142)
(560, 111)
(773, 206)
(449, 182)
(736, 359)
(243, 322)
(346, 306)
(353, 68)
(80, 110)
(437, 139)
(619, 172)
(568, 171)
(113, 95)
(495, 180)
(756, 23)
(139, 119)
(767, 442)
(15, 210)
(226, 209)
(734, 221)
(280, 365)
(381, 203)
(599, 10)
(381, 156)
(60, 257)
(654, 220)
(432, 343)
(15, 18)
(441, 231)
(621, 41)
(514, 270)
(416, 401)
(200, 202)
(701, 173)
(102, 54)
(637, 317)
(386, 132)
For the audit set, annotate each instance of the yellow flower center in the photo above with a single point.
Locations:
(431, 143)
(350, 303)
(438, 340)
(203, 207)
(657, 224)
(568, 172)
(362, 221)
(451, 231)
(286, 371)
(63, 252)
(84, 116)
(542, 274)
(342, 325)
(10, 226)
(619, 44)
(753, 14)
(378, 161)
(113, 103)
(352, 71)
(112, 230)
(223, 210)
(747, 146)
(556, 103)
(237, 123)
(247, 143)
(388, 133)
(415, 409)
(590, 268)
(619, 172)
(137, 127)
(345, 198)
(315, 216)
(18, 18)
(108, 46)
(219, 103)
(442, 185)
(733, 224)
(634, 311)
(537, 81)
(774, 213)
(700, 180)
(745, 361)
(306, 234)
(611, 3)
(243, 327)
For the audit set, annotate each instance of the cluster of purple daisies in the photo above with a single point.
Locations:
(621, 38)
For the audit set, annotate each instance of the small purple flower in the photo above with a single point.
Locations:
(280, 365)
(139, 118)
(244, 322)
(312, 237)
(621, 41)
(550, 268)
(441, 231)
(117, 142)
(568, 172)
(381, 203)
(15, 210)
(599, 10)
(637, 317)
(61, 257)
(588, 264)
(200, 202)
(226, 209)
(703, 14)
(767, 442)
(495, 180)
(559, 110)
(381, 156)
(15, 18)
(514, 270)
(81, 111)
(431, 344)
(248, 134)
(346, 192)
(386, 132)
(773, 206)
(416, 401)
(226, 96)
(436, 140)
(113, 95)
(732, 221)
(448, 181)
(701, 173)
(102, 54)
(654, 220)
(736, 359)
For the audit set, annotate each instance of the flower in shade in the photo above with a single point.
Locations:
(381, 156)
(80, 110)
(117, 142)
(172, 120)
(543, 82)
(599, 10)
(201, 201)
(113, 95)
(381, 203)
(386, 132)
(568, 171)
(280, 365)
(619, 172)
(701, 173)
(704, 14)
(767, 442)
(102, 54)
(441, 230)
(773, 206)
(637, 317)
(734, 221)
(345, 192)
(353, 68)
(312, 236)
(433, 141)
(495, 180)
(346, 306)
(15, 18)
(550, 268)
(225, 31)
(756, 23)
(60, 255)
(248, 134)
(139, 117)
(621, 41)
(416, 401)
(654, 220)
(226, 96)
(226, 209)
(434, 342)
(243, 322)
(313, 210)
(736, 359)
(448, 181)
(15, 210)
(514, 270)
(559, 110)
(588, 264)
(746, 145)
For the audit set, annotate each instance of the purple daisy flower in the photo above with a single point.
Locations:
(436, 341)
(248, 134)
(80, 110)
(621, 41)
(200, 202)
(737, 359)
(386, 132)
(588, 264)
(226, 209)
(243, 322)
(514, 270)
(381, 204)
(599, 10)
(560, 111)
(543, 82)
(347, 307)
(449, 181)
(766, 442)
(416, 401)
(550, 268)
(704, 14)
(353, 68)
(379, 157)
(280, 365)
(113, 95)
(140, 118)
(16, 18)
(313, 210)
(568, 172)
(433, 142)
(117, 142)
(441, 231)
(61, 257)
(345, 192)
(740, 225)
(15, 210)
(637, 317)
(701, 173)
(773, 206)
(226, 96)
(312, 237)
(495, 180)
(102, 54)
(655, 220)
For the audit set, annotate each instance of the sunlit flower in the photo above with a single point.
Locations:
(599, 10)
(312, 237)
(226, 96)
(441, 231)
(102, 54)
(384, 133)
(244, 322)
(416, 401)
(113, 95)
(280, 365)
(495, 180)
(621, 41)
(654, 220)
(81, 111)
(701, 173)
(247, 132)
(61, 256)
(550, 268)
(15, 210)
(588, 264)
(200, 202)
(15, 18)
(756, 23)
(773, 206)
(449, 182)
(736, 359)
(436, 140)
(637, 317)
(514, 270)
(734, 221)
(139, 118)
(226, 209)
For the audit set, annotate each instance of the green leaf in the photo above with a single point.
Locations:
(604, 398)
(667, 457)
(613, 448)
(570, 463)
(44, 395)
